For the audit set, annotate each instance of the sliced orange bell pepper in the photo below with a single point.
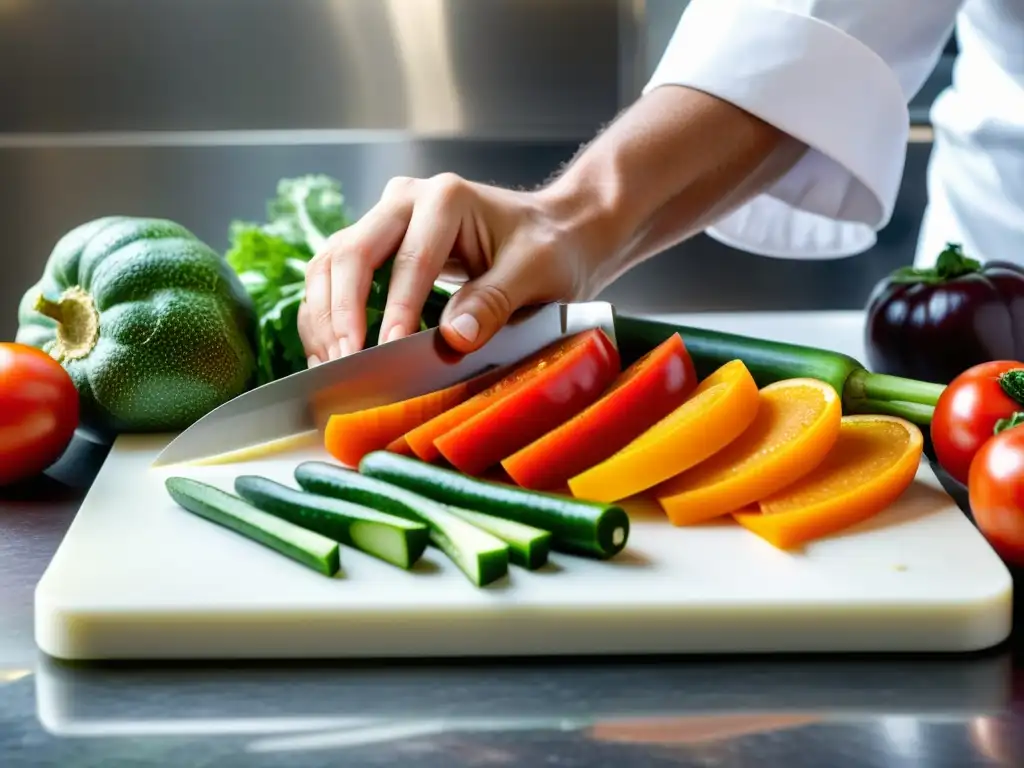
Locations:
(797, 424)
(716, 413)
(350, 436)
(872, 463)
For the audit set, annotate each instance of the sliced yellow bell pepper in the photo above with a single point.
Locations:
(718, 411)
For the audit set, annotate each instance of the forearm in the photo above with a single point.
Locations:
(670, 165)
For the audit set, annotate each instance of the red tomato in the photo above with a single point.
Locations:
(528, 403)
(38, 411)
(966, 414)
(996, 489)
(642, 395)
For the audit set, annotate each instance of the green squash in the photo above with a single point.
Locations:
(153, 326)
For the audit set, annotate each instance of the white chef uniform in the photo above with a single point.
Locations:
(838, 74)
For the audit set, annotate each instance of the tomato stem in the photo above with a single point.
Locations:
(1012, 383)
(1004, 424)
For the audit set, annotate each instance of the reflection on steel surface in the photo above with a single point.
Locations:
(192, 109)
(422, 40)
(997, 738)
(389, 731)
(697, 729)
(464, 67)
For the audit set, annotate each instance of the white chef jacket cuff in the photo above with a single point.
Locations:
(819, 85)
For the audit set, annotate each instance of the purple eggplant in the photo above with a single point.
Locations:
(933, 324)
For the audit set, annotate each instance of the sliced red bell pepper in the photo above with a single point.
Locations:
(421, 439)
(350, 436)
(644, 394)
(532, 401)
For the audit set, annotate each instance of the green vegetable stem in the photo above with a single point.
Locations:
(271, 261)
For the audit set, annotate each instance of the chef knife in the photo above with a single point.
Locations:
(293, 409)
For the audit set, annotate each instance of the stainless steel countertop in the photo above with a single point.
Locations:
(906, 711)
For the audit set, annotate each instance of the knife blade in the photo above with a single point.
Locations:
(293, 410)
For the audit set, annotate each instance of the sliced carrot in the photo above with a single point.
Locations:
(797, 424)
(872, 463)
(350, 436)
(421, 439)
(719, 410)
(643, 394)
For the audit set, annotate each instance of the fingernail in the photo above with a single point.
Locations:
(466, 326)
(344, 348)
(312, 361)
(394, 333)
(334, 352)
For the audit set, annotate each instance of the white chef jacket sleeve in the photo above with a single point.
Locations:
(835, 74)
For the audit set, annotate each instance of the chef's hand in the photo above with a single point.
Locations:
(511, 246)
(668, 167)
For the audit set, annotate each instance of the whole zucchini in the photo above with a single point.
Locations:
(153, 326)
(770, 361)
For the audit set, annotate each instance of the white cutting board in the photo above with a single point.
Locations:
(137, 577)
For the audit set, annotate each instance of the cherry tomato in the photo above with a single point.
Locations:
(38, 411)
(996, 490)
(966, 414)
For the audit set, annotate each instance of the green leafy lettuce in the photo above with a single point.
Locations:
(271, 260)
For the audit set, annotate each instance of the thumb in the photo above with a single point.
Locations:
(483, 306)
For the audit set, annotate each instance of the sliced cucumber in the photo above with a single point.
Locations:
(393, 539)
(579, 527)
(481, 556)
(307, 547)
(527, 546)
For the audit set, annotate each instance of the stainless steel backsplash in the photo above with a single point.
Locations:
(192, 110)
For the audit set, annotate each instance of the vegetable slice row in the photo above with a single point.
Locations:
(392, 539)
(350, 436)
(522, 380)
(482, 557)
(527, 546)
(713, 450)
(558, 386)
(578, 527)
(642, 395)
(307, 547)
(796, 425)
(719, 410)
(873, 462)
